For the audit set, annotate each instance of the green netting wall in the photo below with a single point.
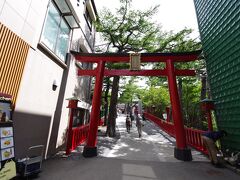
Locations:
(219, 25)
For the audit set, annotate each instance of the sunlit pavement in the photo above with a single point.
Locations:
(154, 145)
(128, 157)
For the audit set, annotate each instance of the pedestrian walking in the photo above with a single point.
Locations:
(128, 123)
(139, 126)
(135, 112)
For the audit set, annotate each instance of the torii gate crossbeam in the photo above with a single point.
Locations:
(181, 151)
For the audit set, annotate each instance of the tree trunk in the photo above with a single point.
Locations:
(180, 90)
(180, 98)
(204, 87)
(106, 100)
(111, 128)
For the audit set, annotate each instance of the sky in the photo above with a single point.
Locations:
(173, 14)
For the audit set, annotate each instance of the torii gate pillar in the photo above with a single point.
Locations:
(181, 151)
(90, 150)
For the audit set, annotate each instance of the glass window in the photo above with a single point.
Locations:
(62, 42)
(88, 19)
(56, 32)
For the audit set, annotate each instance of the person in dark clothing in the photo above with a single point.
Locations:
(128, 123)
(209, 138)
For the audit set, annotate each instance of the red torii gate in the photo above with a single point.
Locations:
(181, 151)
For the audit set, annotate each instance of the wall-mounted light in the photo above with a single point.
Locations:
(54, 85)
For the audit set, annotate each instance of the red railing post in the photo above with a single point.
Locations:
(90, 149)
(193, 136)
(72, 105)
(209, 118)
(181, 151)
(208, 106)
(168, 114)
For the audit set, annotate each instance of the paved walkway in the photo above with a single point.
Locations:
(131, 158)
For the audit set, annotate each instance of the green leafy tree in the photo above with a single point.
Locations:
(129, 90)
(187, 87)
(157, 97)
(128, 30)
(124, 31)
(191, 103)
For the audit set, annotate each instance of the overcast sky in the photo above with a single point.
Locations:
(173, 14)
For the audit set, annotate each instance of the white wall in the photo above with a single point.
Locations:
(36, 85)
(36, 102)
(24, 17)
(36, 99)
(79, 41)
(71, 84)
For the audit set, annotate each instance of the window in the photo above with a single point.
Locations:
(56, 32)
(88, 19)
(80, 117)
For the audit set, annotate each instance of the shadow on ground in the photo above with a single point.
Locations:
(98, 168)
(128, 157)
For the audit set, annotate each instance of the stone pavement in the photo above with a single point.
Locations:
(128, 157)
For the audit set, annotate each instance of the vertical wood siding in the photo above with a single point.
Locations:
(13, 55)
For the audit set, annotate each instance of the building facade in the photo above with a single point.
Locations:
(219, 29)
(38, 70)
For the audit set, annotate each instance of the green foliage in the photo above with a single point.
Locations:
(191, 102)
(178, 42)
(156, 96)
(129, 91)
(128, 30)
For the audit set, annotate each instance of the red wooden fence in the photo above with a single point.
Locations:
(193, 136)
(79, 135)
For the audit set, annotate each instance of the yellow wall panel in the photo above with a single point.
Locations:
(13, 55)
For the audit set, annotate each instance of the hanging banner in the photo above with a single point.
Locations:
(8, 171)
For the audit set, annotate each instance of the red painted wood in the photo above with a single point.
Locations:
(170, 72)
(86, 72)
(145, 57)
(185, 72)
(209, 118)
(5, 95)
(193, 136)
(125, 72)
(96, 103)
(70, 132)
(79, 135)
(176, 107)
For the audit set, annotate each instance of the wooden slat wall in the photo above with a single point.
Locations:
(13, 55)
